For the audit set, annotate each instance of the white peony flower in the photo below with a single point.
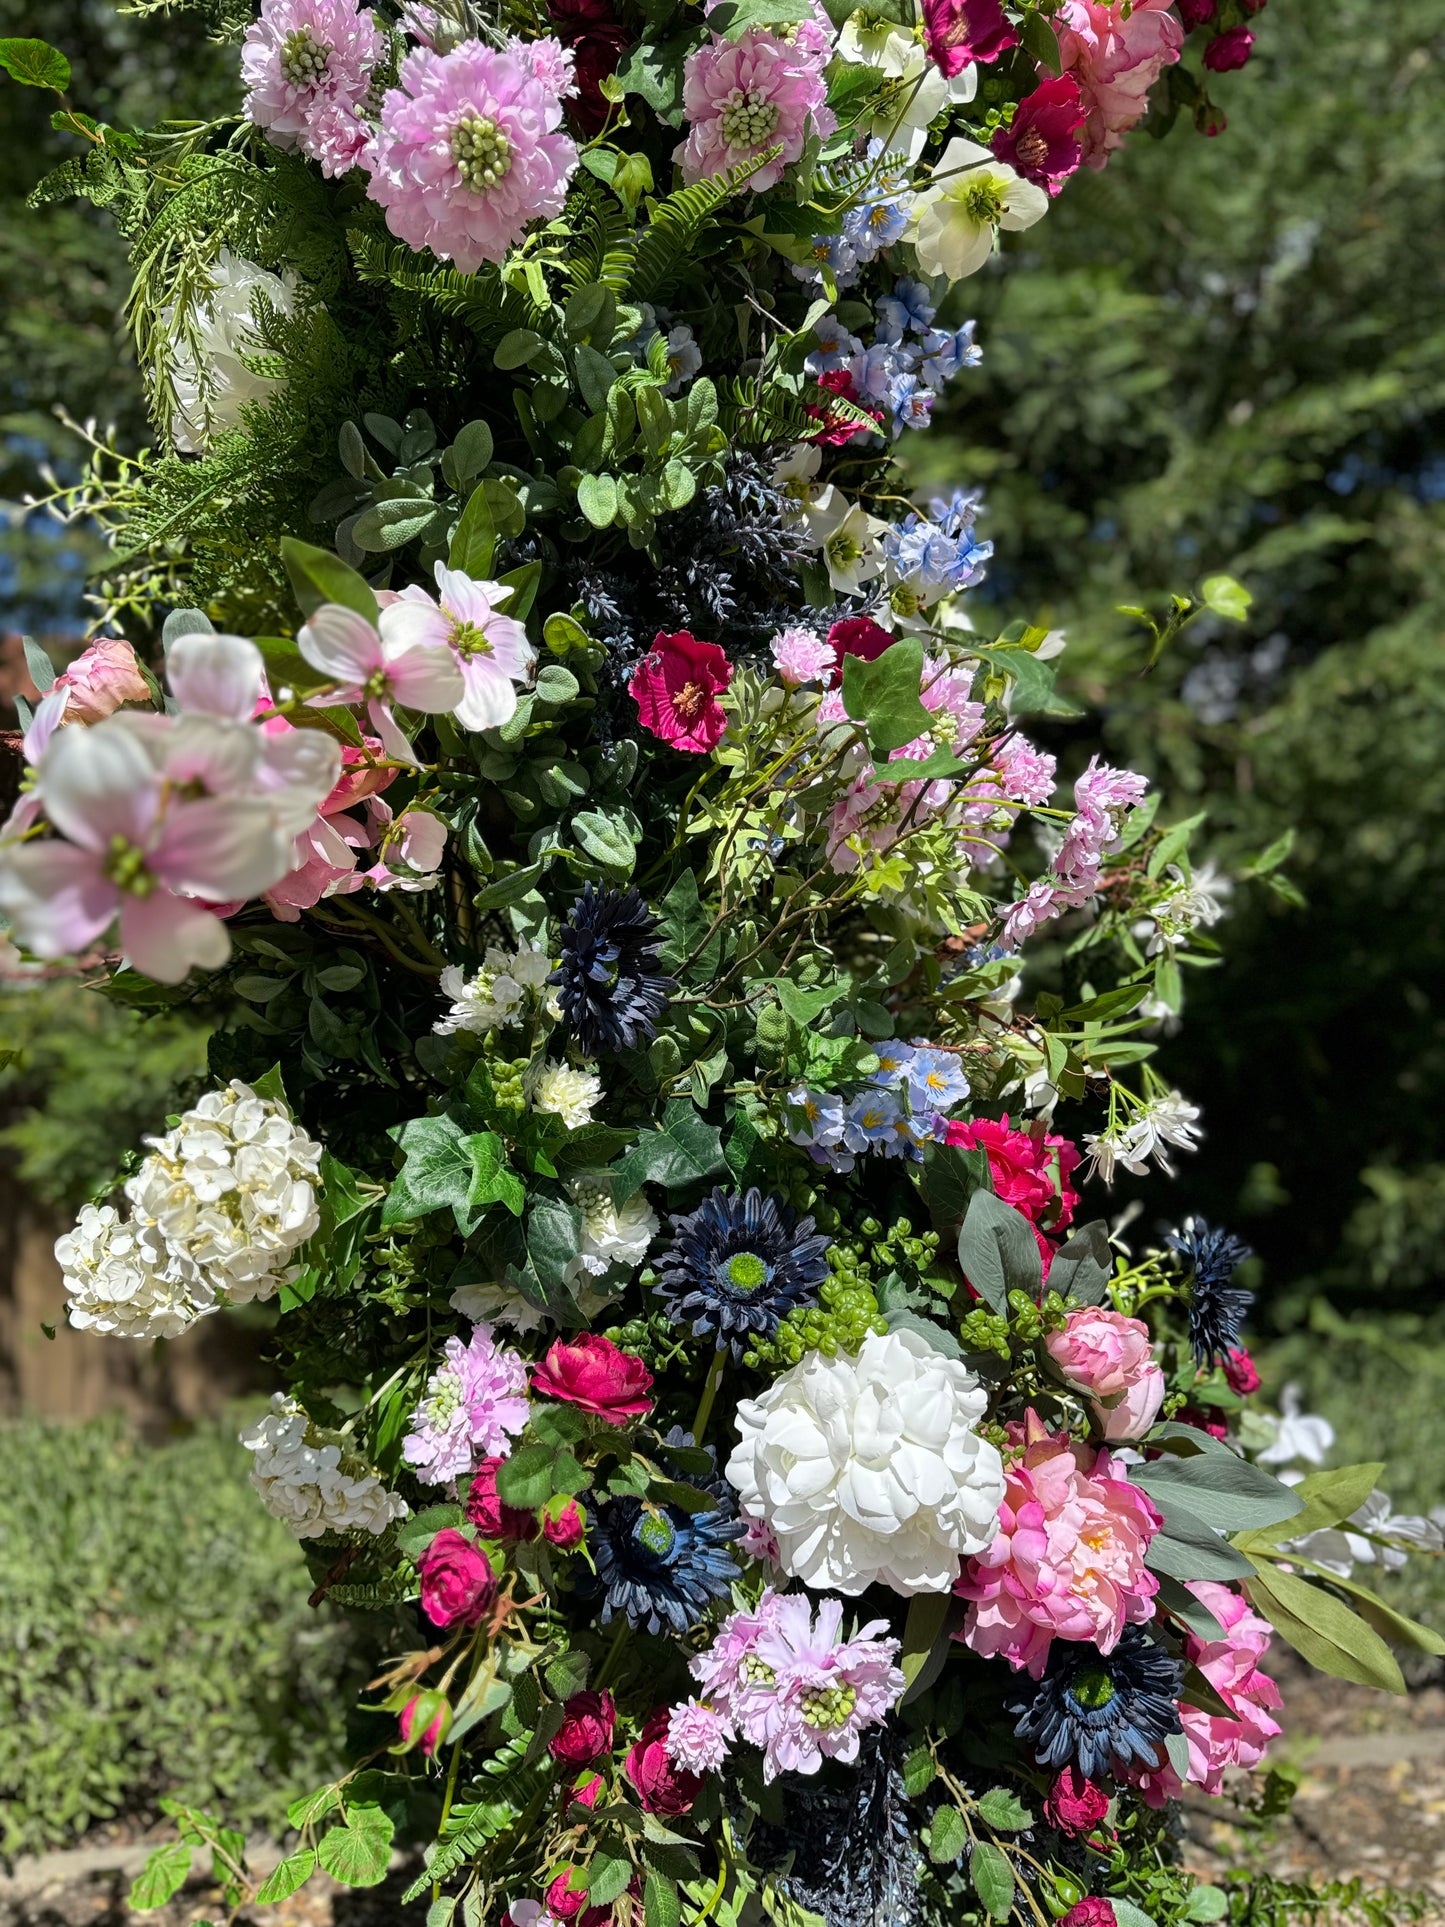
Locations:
(611, 1234)
(122, 1280)
(497, 995)
(209, 394)
(497, 1305)
(570, 1094)
(870, 1468)
(971, 196)
(311, 1485)
(231, 1191)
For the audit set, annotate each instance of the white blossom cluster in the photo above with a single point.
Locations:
(310, 1485)
(219, 1210)
(497, 995)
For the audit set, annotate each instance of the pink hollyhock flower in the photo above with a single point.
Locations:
(468, 153)
(507, 1524)
(474, 1403)
(425, 1721)
(589, 1721)
(698, 1737)
(958, 33)
(661, 1787)
(809, 1694)
(307, 67)
(457, 1581)
(564, 1524)
(742, 97)
(799, 656)
(1030, 1169)
(597, 1376)
(367, 667)
(100, 679)
(1110, 1358)
(1115, 52)
(676, 686)
(492, 650)
(1075, 1805)
(1232, 1667)
(1229, 50)
(1240, 1372)
(1042, 142)
(1068, 1560)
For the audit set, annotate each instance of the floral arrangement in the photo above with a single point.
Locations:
(650, 955)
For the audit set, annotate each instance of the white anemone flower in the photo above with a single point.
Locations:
(972, 195)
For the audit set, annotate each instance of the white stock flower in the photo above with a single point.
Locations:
(569, 1094)
(209, 393)
(497, 995)
(122, 1280)
(970, 197)
(870, 1469)
(612, 1234)
(314, 1486)
(232, 1190)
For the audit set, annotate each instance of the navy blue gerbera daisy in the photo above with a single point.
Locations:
(739, 1264)
(609, 983)
(658, 1565)
(1102, 1712)
(1217, 1309)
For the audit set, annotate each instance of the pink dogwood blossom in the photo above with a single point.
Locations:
(366, 666)
(742, 97)
(491, 649)
(1232, 1667)
(307, 65)
(1116, 51)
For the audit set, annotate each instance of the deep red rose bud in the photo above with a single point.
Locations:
(424, 1721)
(588, 1724)
(595, 1375)
(564, 1524)
(1197, 13)
(1075, 1805)
(857, 636)
(564, 1901)
(457, 1581)
(661, 1787)
(507, 1524)
(1091, 1913)
(1229, 50)
(1240, 1372)
(1254, 6)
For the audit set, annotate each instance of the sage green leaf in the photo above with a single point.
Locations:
(993, 1879)
(317, 576)
(1083, 1267)
(997, 1251)
(1323, 1629)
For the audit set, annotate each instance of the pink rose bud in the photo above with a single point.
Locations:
(589, 1722)
(457, 1581)
(507, 1524)
(425, 1721)
(564, 1901)
(1110, 1359)
(587, 1789)
(101, 679)
(661, 1787)
(1075, 1805)
(1240, 1372)
(595, 1375)
(564, 1523)
(1229, 50)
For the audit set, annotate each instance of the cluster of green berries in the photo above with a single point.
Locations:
(991, 1331)
(506, 1100)
(846, 1314)
(653, 1338)
(899, 1248)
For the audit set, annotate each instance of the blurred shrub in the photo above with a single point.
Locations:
(156, 1638)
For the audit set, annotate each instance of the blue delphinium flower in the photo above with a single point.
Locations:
(1101, 1712)
(610, 986)
(936, 1080)
(947, 351)
(1217, 1309)
(658, 1565)
(907, 310)
(833, 252)
(738, 1265)
(873, 1120)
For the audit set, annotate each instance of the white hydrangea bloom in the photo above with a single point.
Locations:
(870, 1469)
(570, 1094)
(232, 1190)
(497, 1305)
(612, 1234)
(209, 393)
(122, 1280)
(311, 1485)
(497, 995)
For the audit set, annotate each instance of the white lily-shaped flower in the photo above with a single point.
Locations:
(970, 197)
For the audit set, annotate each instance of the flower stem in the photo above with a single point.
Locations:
(614, 1656)
(709, 1393)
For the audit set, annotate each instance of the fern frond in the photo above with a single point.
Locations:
(605, 246)
(672, 234)
(483, 301)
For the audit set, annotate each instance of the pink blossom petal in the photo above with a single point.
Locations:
(98, 784)
(57, 896)
(217, 675)
(162, 936)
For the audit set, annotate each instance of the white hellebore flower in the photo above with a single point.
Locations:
(122, 1280)
(870, 1469)
(1301, 1435)
(880, 44)
(313, 1485)
(909, 104)
(795, 476)
(612, 1234)
(972, 196)
(496, 1305)
(851, 542)
(211, 391)
(564, 1092)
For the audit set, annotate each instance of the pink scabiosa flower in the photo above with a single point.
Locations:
(799, 656)
(468, 152)
(1110, 1358)
(742, 97)
(676, 686)
(1042, 141)
(1116, 51)
(825, 1689)
(553, 64)
(1229, 50)
(100, 679)
(1068, 1560)
(491, 649)
(307, 67)
(699, 1737)
(959, 33)
(1232, 1667)
(474, 1403)
(368, 667)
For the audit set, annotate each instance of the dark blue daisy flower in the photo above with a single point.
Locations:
(1102, 1712)
(738, 1265)
(658, 1565)
(1217, 1309)
(610, 986)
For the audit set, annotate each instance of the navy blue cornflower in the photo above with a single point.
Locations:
(658, 1565)
(610, 986)
(738, 1265)
(1102, 1712)
(1217, 1309)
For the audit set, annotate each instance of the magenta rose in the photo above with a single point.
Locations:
(457, 1581)
(588, 1724)
(661, 1787)
(507, 1524)
(1110, 1359)
(1240, 1372)
(566, 1902)
(564, 1524)
(1075, 1805)
(858, 636)
(597, 1376)
(1091, 1913)
(1229, 50)
(676, 686)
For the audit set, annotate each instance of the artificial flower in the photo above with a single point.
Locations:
(744, 97)
(676, 686)
(738, 1264)
(609, 985)
(969, 197)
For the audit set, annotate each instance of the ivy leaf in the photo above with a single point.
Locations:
(684, 922)
(165, 1870)
(993, 1879)
(35, 63)
(997, 1251)
(805, 1007)
(883, 696)
(447, 1167)
(686, 1150)
(493, 1179)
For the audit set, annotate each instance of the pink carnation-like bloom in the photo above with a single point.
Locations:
(307, 67)
(1110, 1358)
(473, 1405)
(742, 97)
(1068, 1561)
(468, 153)
(676, 686)
(100, 679)
(799, 656)
(698, 1737)
(1116, 53)
(1232, 1667)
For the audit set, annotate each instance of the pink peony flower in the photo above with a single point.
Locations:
(597, 1376)
(307, 67)
(676, 686)
(1068, 1561)
(661, 1787)
(588, 1724)
(1229, 50)
(698, 1737)
(1075, 1805)
(473, 1404)
(100, 679)
(959, 33)
(1232, 1667)
(742, 97)
(1111, 1358)
(799, 656)
(491, 650)
(1030, 1170)
(457, 1581)
(509, 1525)
(1042, 142)
(1115, 52)
(468, 153)
(1240, 1372)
